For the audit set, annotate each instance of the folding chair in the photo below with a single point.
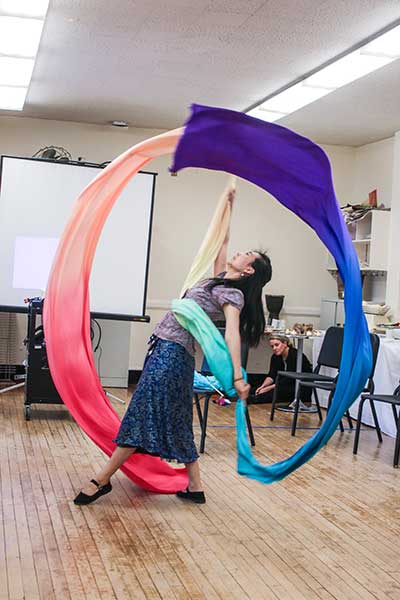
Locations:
(329, 356)
(394, 401)
(331, 386)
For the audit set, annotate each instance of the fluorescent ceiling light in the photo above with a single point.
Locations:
(21, 26)
(15, 71)
(387, 44)
(266, 115)
(20, 37)
(366, 59)
(347, 69)
(24, 8)
(294, 98)
(12, 98)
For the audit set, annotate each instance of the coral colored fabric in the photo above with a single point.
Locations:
(67, 316)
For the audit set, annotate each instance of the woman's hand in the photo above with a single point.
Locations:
(265, 388)
(231, 195)
(243, 389)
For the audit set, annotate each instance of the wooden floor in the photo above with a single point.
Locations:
(331, 530)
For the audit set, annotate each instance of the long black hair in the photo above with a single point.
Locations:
(252, 320)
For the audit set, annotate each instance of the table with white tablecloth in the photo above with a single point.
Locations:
(386, 379)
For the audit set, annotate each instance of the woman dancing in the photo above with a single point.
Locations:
(158, 420)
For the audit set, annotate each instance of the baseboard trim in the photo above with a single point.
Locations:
(301, 311)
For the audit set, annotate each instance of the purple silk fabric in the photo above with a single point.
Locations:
(297, 173)
(289, 166)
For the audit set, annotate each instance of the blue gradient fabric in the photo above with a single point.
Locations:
(205, 383)
(193, 318)
(297, 172)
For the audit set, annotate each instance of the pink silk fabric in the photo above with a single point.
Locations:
(66, 315)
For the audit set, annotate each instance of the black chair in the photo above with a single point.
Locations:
(206, 396)
(329, 356)
(331, 386)
(394, 400)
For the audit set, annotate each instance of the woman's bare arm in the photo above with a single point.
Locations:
(232, 338)
(221, 260)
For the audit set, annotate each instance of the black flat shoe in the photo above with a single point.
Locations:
(82, 498)
(196, 497)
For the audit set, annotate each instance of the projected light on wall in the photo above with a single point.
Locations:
(33, 257)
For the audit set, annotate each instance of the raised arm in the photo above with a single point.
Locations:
(221, 260)
(232, 338)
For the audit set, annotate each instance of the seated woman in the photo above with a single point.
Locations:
(284, 358)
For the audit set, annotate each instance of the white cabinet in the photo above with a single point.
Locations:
(379, 247)
(370, 237)
(332, 313)
(112, 356)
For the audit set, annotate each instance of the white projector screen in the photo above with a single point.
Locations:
(36, 200)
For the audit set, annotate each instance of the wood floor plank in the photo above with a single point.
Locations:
(293, 547)
(330, 531)
(101, 519)
(192, 565)
(78, 539)
(29, 580)
(61, 565)
(9, 483)
(162, 536)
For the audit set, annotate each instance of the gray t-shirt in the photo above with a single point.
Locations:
(211, 301)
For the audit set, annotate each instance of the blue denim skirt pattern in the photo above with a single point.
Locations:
(159, 417)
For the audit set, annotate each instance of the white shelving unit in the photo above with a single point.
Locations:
(370, 237)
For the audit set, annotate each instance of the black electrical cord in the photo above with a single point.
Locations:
(100, 335)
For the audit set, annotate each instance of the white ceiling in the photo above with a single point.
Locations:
(147, 61)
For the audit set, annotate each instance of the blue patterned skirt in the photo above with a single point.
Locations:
(159, 417)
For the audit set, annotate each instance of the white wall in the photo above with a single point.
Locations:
(373, 171)
(183, 208)
(393, 280)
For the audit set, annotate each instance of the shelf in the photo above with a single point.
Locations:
(369, 237)
(366, 270)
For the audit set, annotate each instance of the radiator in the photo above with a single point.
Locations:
(8, 344)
